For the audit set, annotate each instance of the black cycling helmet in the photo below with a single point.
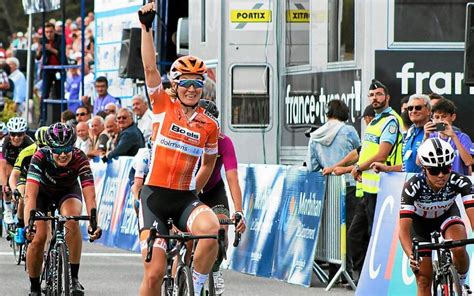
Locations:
(60, 135)
(210, 107)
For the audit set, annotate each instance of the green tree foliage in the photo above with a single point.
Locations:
(14, 19)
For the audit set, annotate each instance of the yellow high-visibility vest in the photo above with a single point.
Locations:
(371, 144)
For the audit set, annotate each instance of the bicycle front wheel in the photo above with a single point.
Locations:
(62, 277)
(184, 281)
(167, 287)
(453, 280)
(19, 253)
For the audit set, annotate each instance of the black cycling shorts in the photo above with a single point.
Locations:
(216, 199)
(53, 199)
(158, 204)
(423, 227)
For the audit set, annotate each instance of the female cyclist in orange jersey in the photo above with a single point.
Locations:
(182, 134)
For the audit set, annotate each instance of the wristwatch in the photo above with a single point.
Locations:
(357, 168)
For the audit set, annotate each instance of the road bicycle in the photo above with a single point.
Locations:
(181, 284)
(56, 273)
(18, 247)
(445, 276)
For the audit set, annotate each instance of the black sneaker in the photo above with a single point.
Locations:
(77, 288)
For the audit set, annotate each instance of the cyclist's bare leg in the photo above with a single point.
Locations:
(73, 207)
(154, 270)
(423, 277)
(460, 256)
(21, 203)
(34, 255)
(205, 222)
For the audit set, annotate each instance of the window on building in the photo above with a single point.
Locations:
(297, 33)
(429, 20)
(341, 30)
(250, 96)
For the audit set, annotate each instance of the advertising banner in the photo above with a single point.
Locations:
(35, 6)
(306, 97)
(301, 209)
(261, 200)
(407, 72)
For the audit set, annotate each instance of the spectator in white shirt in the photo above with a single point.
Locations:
(144, 116)
(19, 81)
(83, 141)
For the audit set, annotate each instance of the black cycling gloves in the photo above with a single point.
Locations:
(147, 18)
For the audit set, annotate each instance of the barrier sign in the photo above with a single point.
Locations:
(251, 16)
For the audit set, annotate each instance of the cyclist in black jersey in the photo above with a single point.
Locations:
(59, 175)
(14, 142)
(17, 178)
(428, 204)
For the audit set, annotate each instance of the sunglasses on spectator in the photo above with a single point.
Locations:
(417, 107)
(81, 114)
(186, 83)
(434, 171)
(17, 134)
(121, 117)
(61, 150)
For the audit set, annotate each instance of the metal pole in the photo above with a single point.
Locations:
(43, 63)
(83, 13)
(62, 52)
(29, 75)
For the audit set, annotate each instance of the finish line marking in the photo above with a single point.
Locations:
(90, 254)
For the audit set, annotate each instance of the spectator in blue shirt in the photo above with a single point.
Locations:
(103, 97)
(419, 111)
(445, 112)
(19, 81)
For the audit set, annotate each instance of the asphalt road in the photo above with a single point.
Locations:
(107, 271)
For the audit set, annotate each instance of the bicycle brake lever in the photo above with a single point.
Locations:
(93, 222)
(238, 235)
(221, 241)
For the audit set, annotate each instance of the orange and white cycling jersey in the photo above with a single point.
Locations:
(178, 142)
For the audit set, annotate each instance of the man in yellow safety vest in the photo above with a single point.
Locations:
(381, 143)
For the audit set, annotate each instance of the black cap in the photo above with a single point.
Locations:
(368, 111)
(376, 84)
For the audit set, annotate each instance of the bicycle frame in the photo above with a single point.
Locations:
(443, 268)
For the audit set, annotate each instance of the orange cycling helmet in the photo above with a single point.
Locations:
(187, 65)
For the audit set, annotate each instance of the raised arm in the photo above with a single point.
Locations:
(152, 76)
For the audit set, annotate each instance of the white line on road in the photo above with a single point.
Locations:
(91, 254)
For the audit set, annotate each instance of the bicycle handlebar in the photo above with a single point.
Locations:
(238, 235)
(181, 237)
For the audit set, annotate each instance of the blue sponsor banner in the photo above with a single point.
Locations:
(261, 199)
(301, 208)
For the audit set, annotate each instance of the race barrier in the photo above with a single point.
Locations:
(282, 206)
(386, 268)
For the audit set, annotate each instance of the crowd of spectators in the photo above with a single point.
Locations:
(390, 144)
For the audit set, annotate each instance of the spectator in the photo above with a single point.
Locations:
(83, 141)
(381, 143)
(103, 97)
(329, 144)
(3, 52)
(20, 42)
(82, 114)
(130, 138)
(404, 114)
(419, 111)
(19, 82)
(110, 109)
(53, 57)
(98, 135)
(4, 86)
(112, 130)
(88, 81)
(102, 114)
(444, 111)
(67, 115)
(73, 84)
(368, 114)
(144, 116)
(434, 97)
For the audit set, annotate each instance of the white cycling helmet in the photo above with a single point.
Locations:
(17, 125)
(3, 127)
(435, 152)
